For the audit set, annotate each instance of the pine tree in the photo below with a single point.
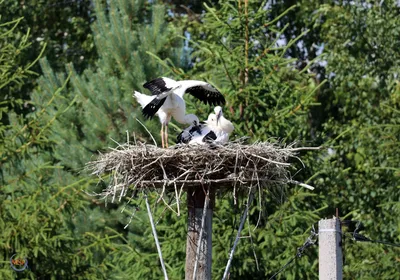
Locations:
(125, 38)
(362, 170)
(357, 118)
(36, 204)
(129, 36)
(64, 26)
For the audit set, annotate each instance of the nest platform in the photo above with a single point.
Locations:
(181, 166)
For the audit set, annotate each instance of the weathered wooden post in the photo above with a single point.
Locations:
(199, 233)
(330, 249)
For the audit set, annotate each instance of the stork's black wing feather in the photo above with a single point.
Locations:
(210, 137)
(151, 109)
(195, 128)
(157, 86)
(180, 138)
(212, 97)
(186, 135)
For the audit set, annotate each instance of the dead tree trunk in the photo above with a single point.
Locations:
(196, 197)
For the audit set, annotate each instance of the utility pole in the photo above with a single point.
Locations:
(330, 249)
(198, 260)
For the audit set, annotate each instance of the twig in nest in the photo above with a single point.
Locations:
(177, 199)
(165, 177)
(151, 135)
(301, 184)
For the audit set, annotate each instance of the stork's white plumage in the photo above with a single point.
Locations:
(167, 99)
(165, 115)
(216, 129)
(165, 87)
(223, 127)
(198, 134)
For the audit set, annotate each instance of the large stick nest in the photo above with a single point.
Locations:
(233, 164)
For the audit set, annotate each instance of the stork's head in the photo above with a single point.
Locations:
(211, 120)
(192, 119)
(218, 113)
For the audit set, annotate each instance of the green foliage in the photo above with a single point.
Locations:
(104, 109)
(358, 120)
(272, 238)
(266, 96)
(263, 57)
(11, 50)
(37, 205)
(96, 109)
(363, 127)
(63, 25)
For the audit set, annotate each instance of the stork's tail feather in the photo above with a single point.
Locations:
(142, 99)
(151, 109)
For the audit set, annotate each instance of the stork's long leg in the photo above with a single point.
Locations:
(162, 135)
(166, 134)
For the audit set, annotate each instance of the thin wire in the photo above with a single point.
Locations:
(283, 267)
(361, 238)
(231, 253)
(311, 240)
(153, 227)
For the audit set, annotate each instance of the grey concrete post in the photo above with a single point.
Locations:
(330, 249)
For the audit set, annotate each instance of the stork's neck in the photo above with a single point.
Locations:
(226, 125)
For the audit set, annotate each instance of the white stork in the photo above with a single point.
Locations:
(223, 126)
(164, 116)
(199, 134)
(167, 99)
(215, 129)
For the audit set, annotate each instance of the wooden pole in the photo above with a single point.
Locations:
(330, 249)
(196, 197)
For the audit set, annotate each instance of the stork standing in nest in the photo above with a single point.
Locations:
(167, 100)
(164, 117)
